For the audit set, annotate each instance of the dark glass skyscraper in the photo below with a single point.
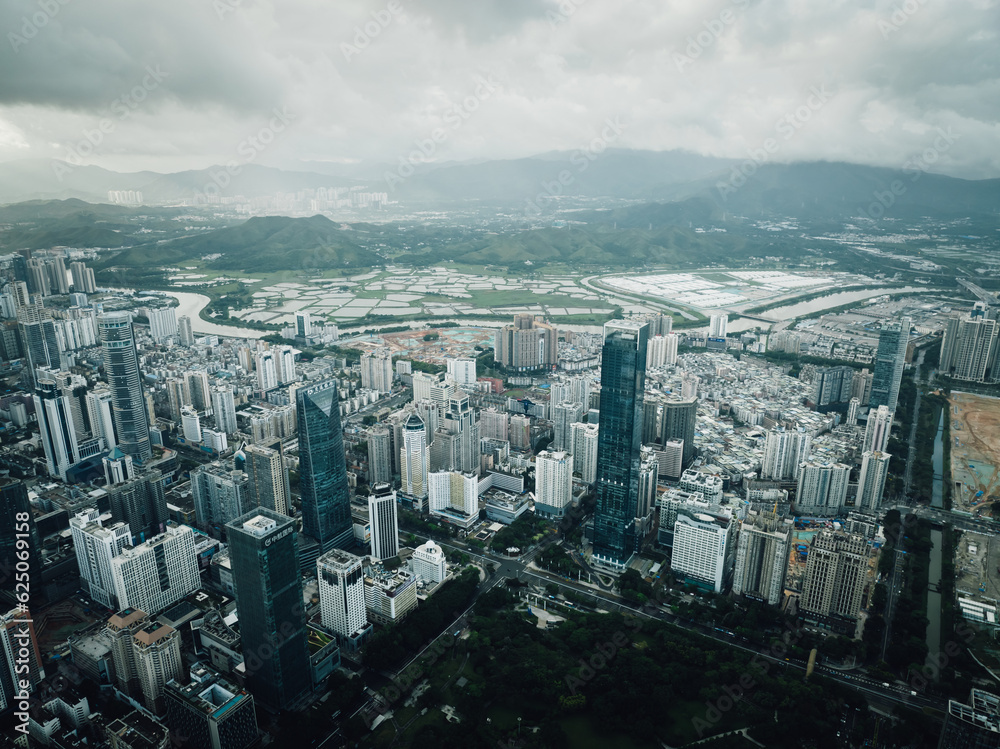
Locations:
(890, 359)
(619, 441)
(121, 366)
(326, 496)
(266, 576)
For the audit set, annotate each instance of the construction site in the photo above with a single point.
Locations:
(975, 451)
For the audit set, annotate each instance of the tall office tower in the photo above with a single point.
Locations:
(384, 523)
(835, 575)
(262, 552)
(972, 726)
(871, 482)
(762, 559)
(413, 458)
(564, 415)
(212, 712)
(83, 278)
(20, 659)
(38, 339)
(162, 323)
(784, 452)
(520, 432)
(121, 366)
(379, 454)
(178, 397)
(703, 546)
(376, 370)
(200, 390)
(877, 430)
(584, 451)
(422, 382)
(648, 472)
(822, 488)
(221, 495)
(100, 412)
(861, 386)
(38, 278)
(718, 325)
(619, 441)
(661, 351)
(852, 412)
(553, 483)
(57, 276)
(141, 504)
(267, 477)
(971, 346)
(118, 467)
(59, 409)
(120, 629)
(157, 573)
(678, 419)
(191, 424)
(17, 525)
(95, 547)
(224, 409)
(889, 362)
(462, 371)
(284, 364)
(453, 495)
(158, 660)
(527, 344)
(431, 414)
(342, 596)
(460, 423)
(442, 392)
(832, 385)
(303, 325)
(267, 371)
(494, 425)
(326, 497)
(185, 333)
(689, 387)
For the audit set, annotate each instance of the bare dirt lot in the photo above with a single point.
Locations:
(975, 450)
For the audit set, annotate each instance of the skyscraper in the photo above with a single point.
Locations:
(59, 409)
(157, 649)
(224, 408)
(526, 345)
(376, 370)
(221, 494)
(384, 522)
(326, 497)
(563, 416)
(619, 441)
(584, 451)
(553, 483)
(162, 323)
(413, 459)
(718, 325)
(17, 524)
(95, 547)
(140, 503)
(834, 580)
(762, 559)
(462, 371)
(877, 430)
(157, 573)
(971, 346)
(822, 488)
(38, 339)
(211, 712)
(342, 596)
(121, 365)
(268, 477)
(889, 363)
(379, 454)
(83, 278)
(184, 331)
(266, 576)
(784, 452)
(871, 482)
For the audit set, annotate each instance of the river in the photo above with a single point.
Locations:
(937, 539)
(192, 304)
(813, 306)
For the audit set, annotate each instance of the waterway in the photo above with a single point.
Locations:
(815, 306)
(934, 573)
(192, 304)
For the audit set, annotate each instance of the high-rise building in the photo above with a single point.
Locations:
(121, 365)
(100, 416)
(303, 325)
(224, 409)
(861, 386)
(462, 371)
(83, 278)
(20, 661)
(120, 630)
(376, 370)
(456, 442)
(210, 712)
(619, 441)
(185, 332)
(162, 323)
(326, 497)
(267, 371)
(877, 430)
(95, 547)
(267, 477)
(379, 454)
(972, 726)
(264, 559)
(342, 596)
(703, 547)
(871, 482)
(553, 483)
(284, 364)
(17, 526)
(784, 452)
(200, 389)
(832, 385)
(178, 397)
(834, 581)
(564, 415)
(822, 488)
(221, 494)
(428, 563)
(890, 359)
(520, 432)
(718, 325)
(389, 595)
(762, 559)
(527, 344)
(584, 451)
(157, 573)
(413, 458)
(971, 346)
(158, 660)
(140, 503)
(494, 425)
(191, 425)
(59, 408)
(667, 418)
(661, 351)
(453, 496)
(852, 411)
(422, 382)
(38, 339)
(384, 522)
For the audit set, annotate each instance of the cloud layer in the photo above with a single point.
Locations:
(170, 86)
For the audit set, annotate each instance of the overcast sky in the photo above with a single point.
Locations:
(181, 84)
